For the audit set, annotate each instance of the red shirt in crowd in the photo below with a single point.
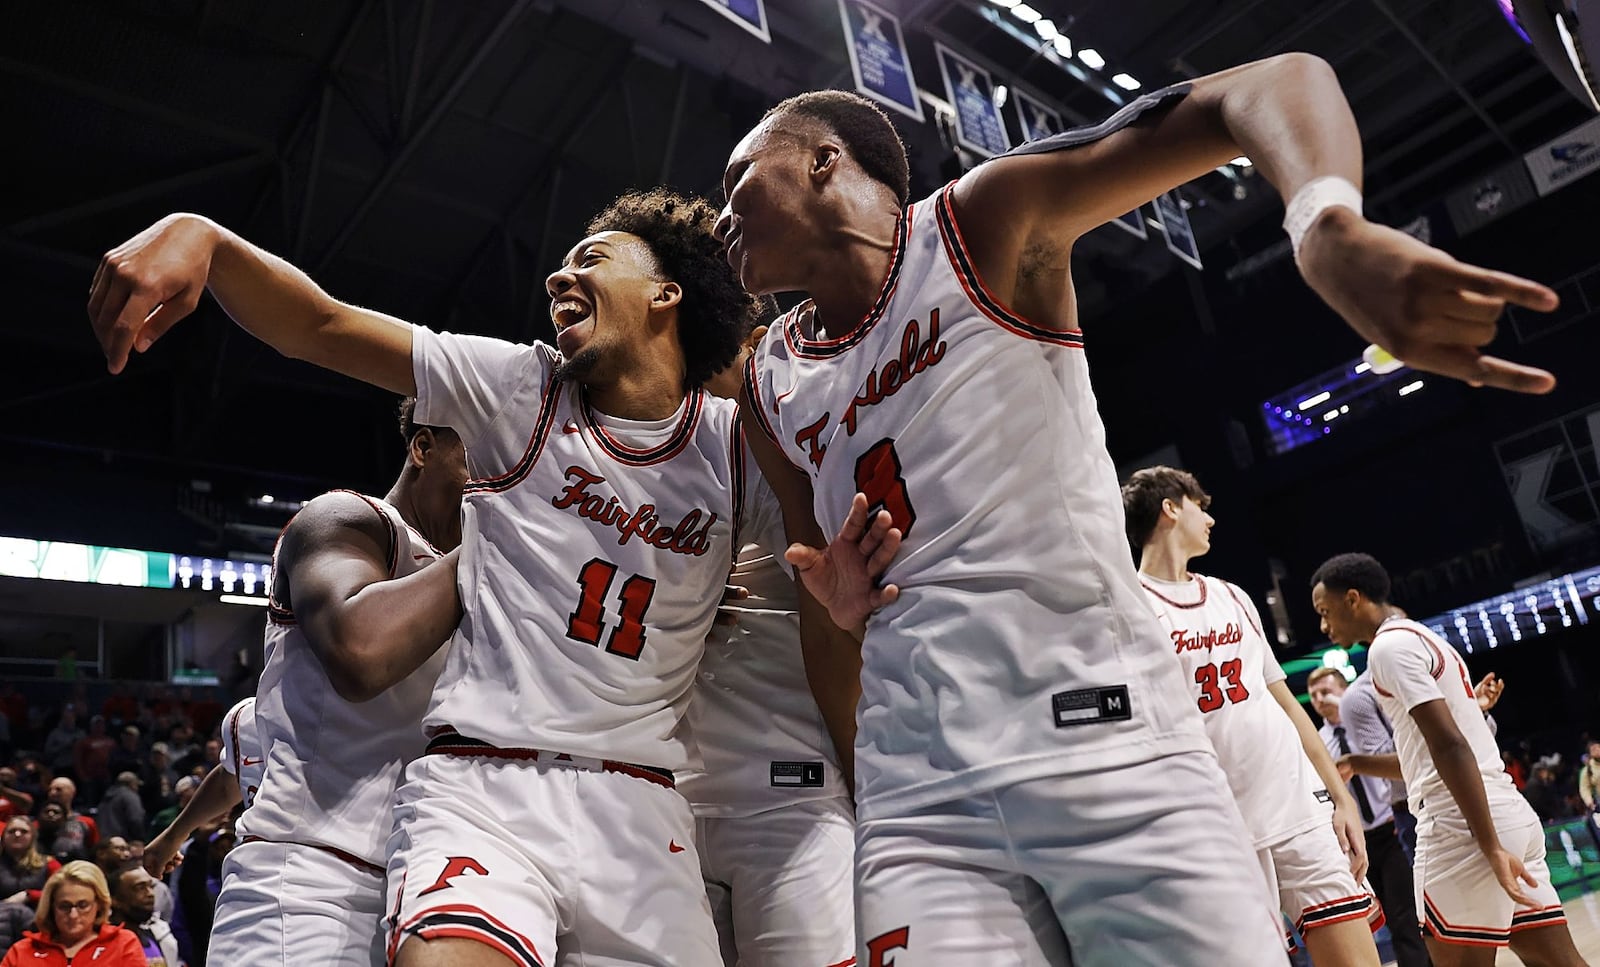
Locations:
(114, 947)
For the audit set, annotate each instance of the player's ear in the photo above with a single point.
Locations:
(825, 161)
(420, 447)
(1169, 509)
(667, 295)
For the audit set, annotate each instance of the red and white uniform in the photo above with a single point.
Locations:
(593, 558)
(1458, 898)
(773, 817)
(1214, 630)
(242, 754)
(1021, 649)
(306, 880)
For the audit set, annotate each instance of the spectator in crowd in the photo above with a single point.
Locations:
(23, 869)
(13, 801)
(67, 667)
(1514, 768)
(128, 756)
(199, 882)
(202, 760)
(133, 907)
(113, 856)
(72, 920)
(15, 918)
(58, 745)
(91, 758)
(183, 791)
(32, 777)
(1542, 794)
(120, 706)
(76, 835)
(1589, 786)
(121, 812)
(161, 782)
(180, 743)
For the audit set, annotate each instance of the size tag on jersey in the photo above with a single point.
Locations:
(1089, 705)
(1323, 795)
(799, 775)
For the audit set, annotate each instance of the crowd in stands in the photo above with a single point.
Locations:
(88, 775)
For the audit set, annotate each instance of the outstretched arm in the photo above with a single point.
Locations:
(369, 630)
(1020, 215)
(147, 284)
(218, 793)
(1452, 756)
(1346, 814)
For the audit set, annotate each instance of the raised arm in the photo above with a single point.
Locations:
(1346, 814)
(369, 630)
(1452, 756)
(147, 284)
(1021, 213)
(218, 793)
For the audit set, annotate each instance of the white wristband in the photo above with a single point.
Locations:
(1313, 198)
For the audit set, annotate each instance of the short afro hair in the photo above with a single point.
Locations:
(715, 313)
(1144, 493)
(866, 131)
(1360, 572)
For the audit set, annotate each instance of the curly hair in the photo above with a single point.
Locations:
(1143, 494)
(866, 131)
(1362, 572)
(715, 313)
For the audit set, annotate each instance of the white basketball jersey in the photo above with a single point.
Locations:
(241, 749)
(761, 737)
(1215, 632)
(333, 766)
(1410, 665)
(594, 553)
(1021, 644)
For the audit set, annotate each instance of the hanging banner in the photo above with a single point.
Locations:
(1558, 163)
(979, 126)
(1037, 120)
(749, 14)
(878, 57)
(1175, 225)
(1132, 223)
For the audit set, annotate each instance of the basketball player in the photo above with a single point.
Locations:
(1481, 877)
(773, 818)
(1030, 767)
(357, 616)
(234, 779)
(1282, 777)
(598, 533)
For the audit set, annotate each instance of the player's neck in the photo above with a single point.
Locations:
(648, 385)
(1164, 561)
(849, 271)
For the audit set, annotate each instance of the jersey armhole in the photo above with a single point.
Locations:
(758, 408)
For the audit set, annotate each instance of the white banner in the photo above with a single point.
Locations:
(1560, 162)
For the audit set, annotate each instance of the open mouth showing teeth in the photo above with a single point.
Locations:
(567, 313)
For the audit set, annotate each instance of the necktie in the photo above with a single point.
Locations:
(1356, 785)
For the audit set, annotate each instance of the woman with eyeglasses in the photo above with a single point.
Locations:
(70, 927)
(23, 869)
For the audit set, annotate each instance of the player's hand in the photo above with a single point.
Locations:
(161, 856)
(843, 576)
(728, 619)
(1488, 691)
(1352, 839)
(148, 283)
(1346, 771)
(1511, 874)
(1428, 309)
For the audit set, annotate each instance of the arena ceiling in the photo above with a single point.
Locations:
(433, 159)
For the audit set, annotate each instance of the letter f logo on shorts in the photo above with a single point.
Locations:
(457, 866)
(877, 947)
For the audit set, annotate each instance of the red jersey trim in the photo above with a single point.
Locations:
(669, 448)
(980, 296)
(470, 923)
(530, 456)
(757, 408)
(1249, 615)
(1441, 929)
(824, 348)
(737, 463)
(1179, 604)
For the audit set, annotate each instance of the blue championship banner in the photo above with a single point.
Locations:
(1037, 120)
(979, 126)
(1175, 225)
(749, 14)
(878, 57)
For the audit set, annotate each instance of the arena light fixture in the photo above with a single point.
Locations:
(1001, 94)
(1062, 45)
(1410, 388)
(1092, 58)
(1125, 81)
(1046, 28)
(1307, 404)
(1005, 4)
(1242, 162)
(1026, 14)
